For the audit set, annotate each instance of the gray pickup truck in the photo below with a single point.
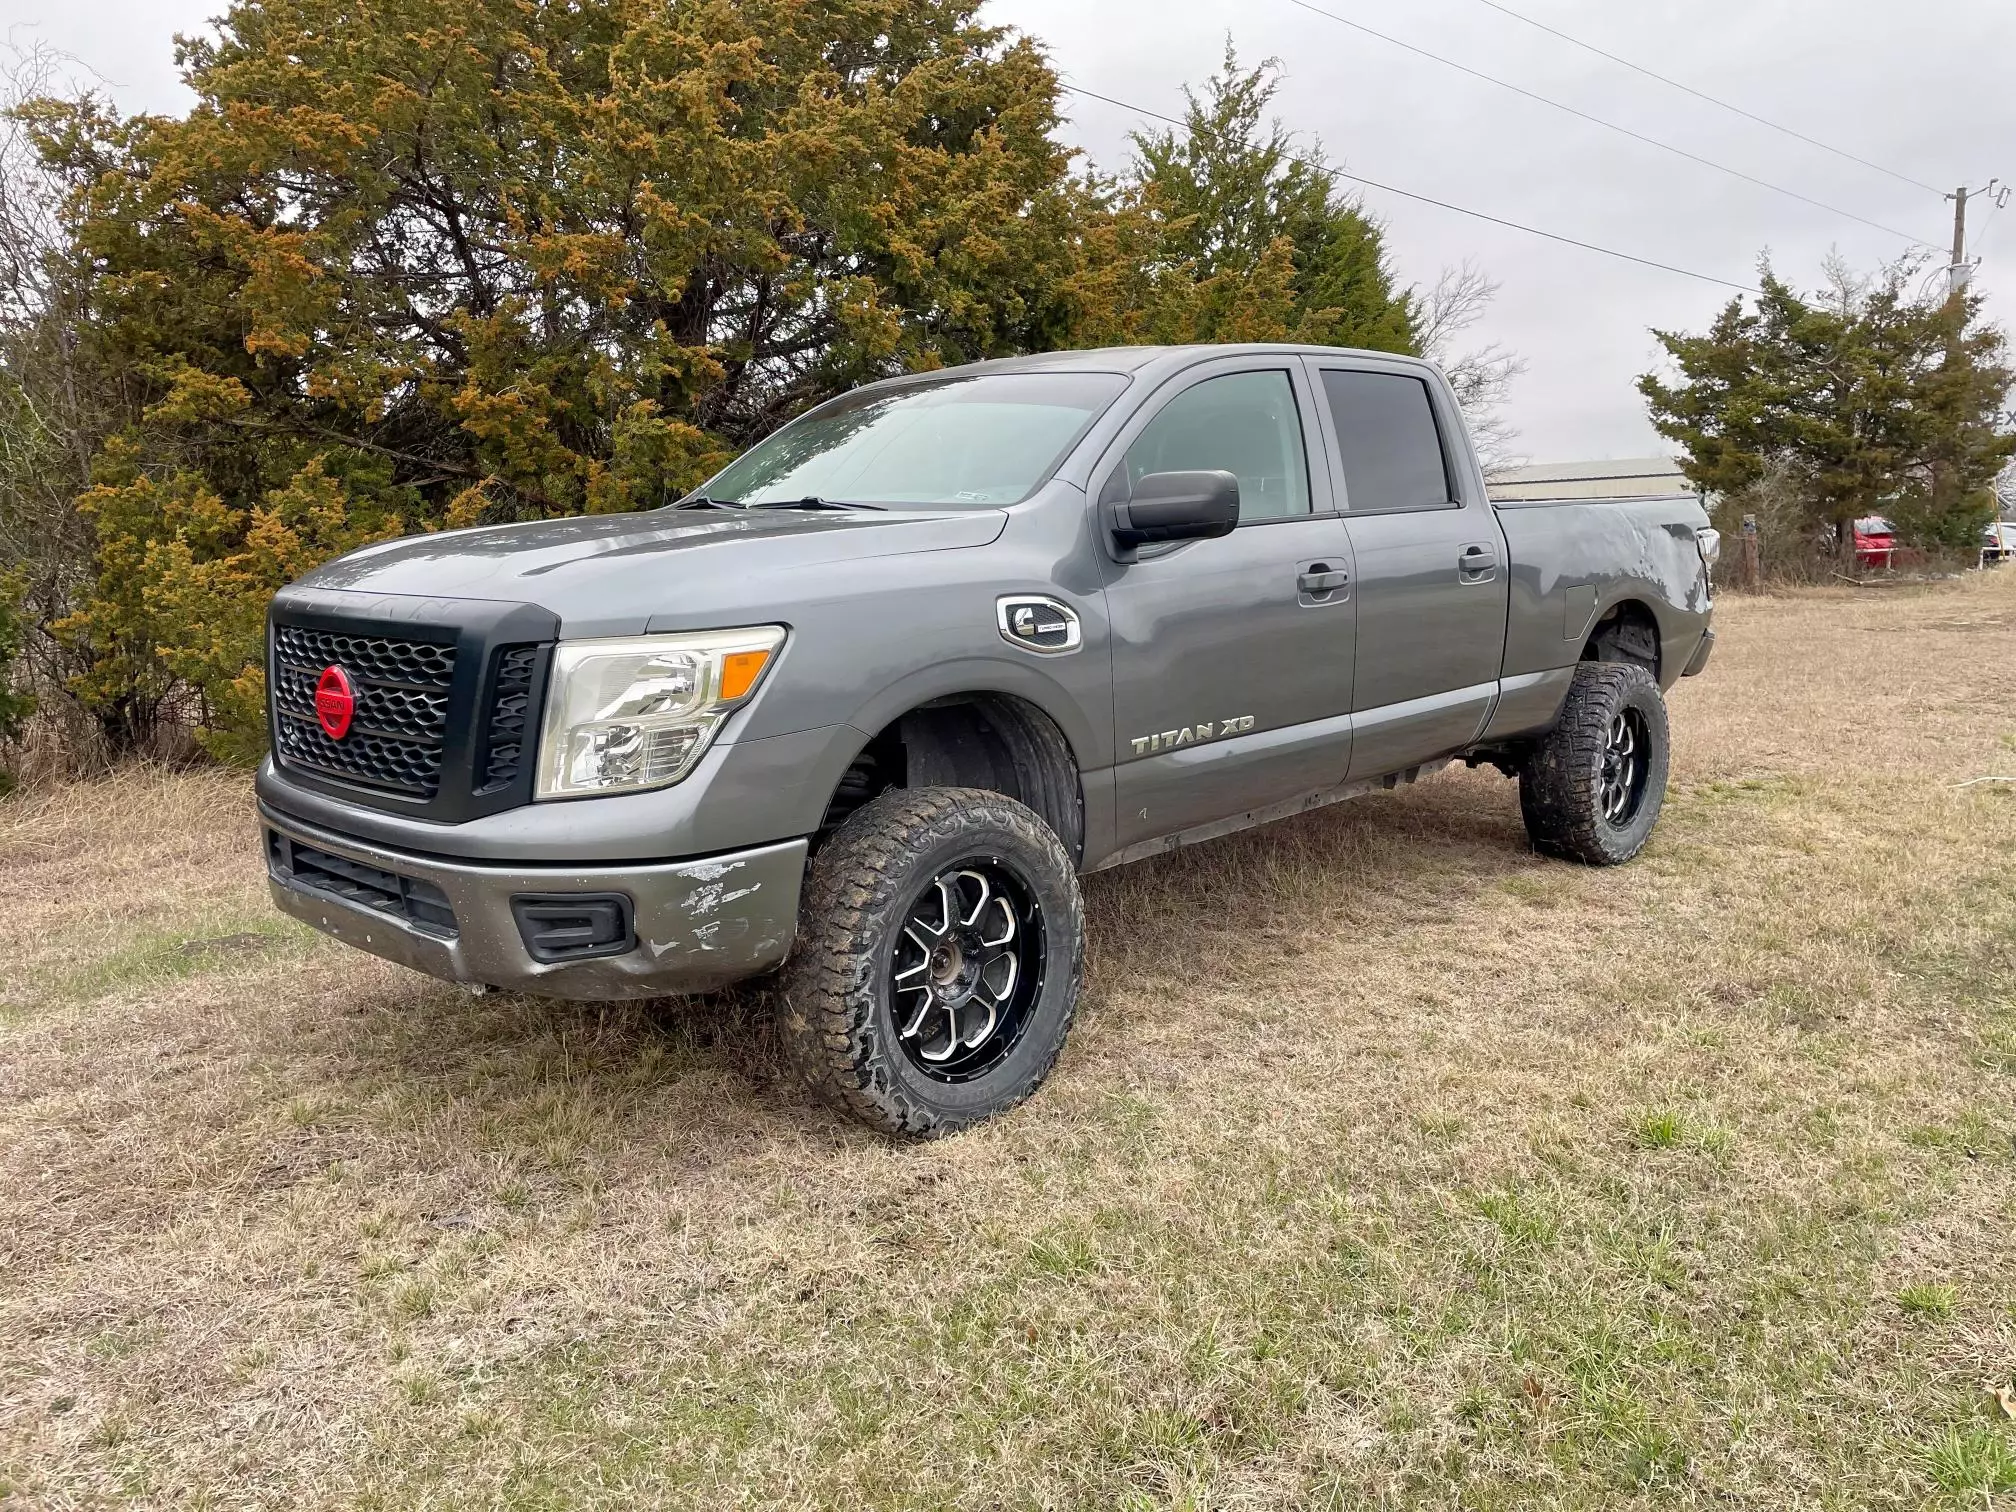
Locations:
(867, 703)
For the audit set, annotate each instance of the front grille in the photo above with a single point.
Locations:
(376, 657)
(448, 696)
(400, 724)
(417, 902)
(403, 766)
(510, 706)
(408, 713)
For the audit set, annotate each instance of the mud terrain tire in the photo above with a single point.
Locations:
(863, 1037)
(1592, 789)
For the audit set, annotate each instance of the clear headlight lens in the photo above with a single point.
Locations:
(629, 714)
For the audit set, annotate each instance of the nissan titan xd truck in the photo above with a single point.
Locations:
(863, 708)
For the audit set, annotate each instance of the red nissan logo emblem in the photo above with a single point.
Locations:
(335, 702)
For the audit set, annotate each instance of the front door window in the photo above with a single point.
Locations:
(1245, 424)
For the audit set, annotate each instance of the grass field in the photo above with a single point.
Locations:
(1389, 1166)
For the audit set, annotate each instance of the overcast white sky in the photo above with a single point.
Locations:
(1925, 89)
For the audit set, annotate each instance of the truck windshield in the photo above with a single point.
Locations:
(980, 442)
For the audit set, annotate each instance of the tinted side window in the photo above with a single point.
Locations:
(1245, 424)
(1392, 448)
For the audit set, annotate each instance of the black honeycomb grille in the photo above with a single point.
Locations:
(396, 734)
(403, 766)
(504, 745)
(408, 713)
(376, 658)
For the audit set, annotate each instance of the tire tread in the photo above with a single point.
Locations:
(1560, 784)
(828, 1019)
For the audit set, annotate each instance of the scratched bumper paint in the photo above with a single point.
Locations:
(700, 924)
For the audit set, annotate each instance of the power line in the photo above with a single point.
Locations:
(1981, 241)
(1496, 220)
(1639, 136)
(1748, 115)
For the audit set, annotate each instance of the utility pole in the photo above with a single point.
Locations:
(1957, 277)
(1958, 273)
(1956, 270)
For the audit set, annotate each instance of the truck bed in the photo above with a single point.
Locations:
(1575, 559)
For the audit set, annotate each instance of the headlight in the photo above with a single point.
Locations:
(639, 712)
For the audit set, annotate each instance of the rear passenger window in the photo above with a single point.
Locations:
(1391, 446)
(1245, 424)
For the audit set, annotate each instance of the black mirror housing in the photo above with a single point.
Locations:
(1177, 506)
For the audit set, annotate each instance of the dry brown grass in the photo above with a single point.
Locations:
(1389, 1165)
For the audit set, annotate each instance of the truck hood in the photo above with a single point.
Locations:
(610, 574)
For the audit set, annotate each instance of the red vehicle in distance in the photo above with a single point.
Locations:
(1875, 542)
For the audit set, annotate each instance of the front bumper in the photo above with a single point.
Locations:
(1698, 662)
(698, 925)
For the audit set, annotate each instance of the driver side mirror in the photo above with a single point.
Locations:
(1177, 506)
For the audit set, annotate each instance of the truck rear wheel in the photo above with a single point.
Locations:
(1592, 789)
(939, 958)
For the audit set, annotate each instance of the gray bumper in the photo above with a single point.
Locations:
(1698, 662)
(699, 924)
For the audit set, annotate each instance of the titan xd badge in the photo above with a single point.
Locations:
(1168, 740)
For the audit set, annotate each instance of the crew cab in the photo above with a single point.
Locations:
(866, 705)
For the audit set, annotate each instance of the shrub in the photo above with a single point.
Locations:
(15, 703)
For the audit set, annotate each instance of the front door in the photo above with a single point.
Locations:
(1431, 568)
(1232, 658)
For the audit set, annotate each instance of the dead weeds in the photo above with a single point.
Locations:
(1389, 1166)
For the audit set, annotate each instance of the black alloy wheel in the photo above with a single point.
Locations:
(1624, 768)
(965, 969)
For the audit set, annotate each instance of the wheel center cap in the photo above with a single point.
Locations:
(948, 963)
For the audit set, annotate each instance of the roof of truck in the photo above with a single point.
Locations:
(1139, 359)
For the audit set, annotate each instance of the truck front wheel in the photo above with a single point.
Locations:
(1592, 789)
(940, 952)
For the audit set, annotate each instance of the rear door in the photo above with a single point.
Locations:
(1232, 658)
(1430, 560)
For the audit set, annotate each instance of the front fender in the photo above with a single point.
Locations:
(1073, 704)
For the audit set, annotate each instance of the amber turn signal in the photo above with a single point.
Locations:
(739, 671)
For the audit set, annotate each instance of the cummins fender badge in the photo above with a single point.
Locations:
(1039, 624)
(1204, 729)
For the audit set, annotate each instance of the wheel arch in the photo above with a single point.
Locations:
(1629, 631)
(976, 737)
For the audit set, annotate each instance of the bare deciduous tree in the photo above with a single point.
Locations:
(55, 408)
(1482, 376)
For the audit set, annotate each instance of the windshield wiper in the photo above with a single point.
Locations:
(701, 501)
(815, 501)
